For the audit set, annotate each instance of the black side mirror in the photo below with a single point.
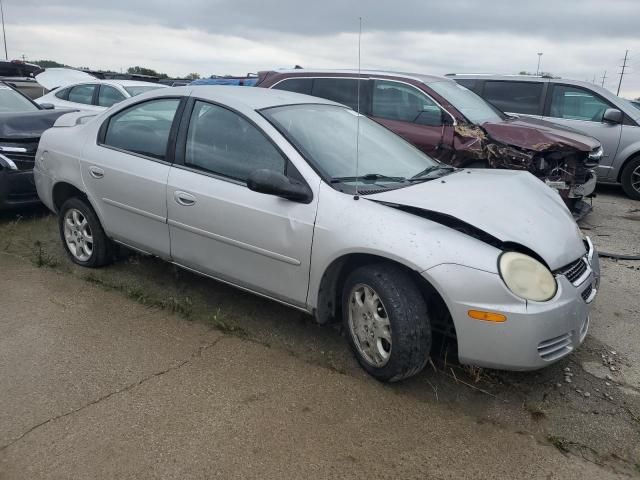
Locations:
(274, 183)
(47, 106)
(612, 115)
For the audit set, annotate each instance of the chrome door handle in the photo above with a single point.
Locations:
(184, 198)
(96, 172)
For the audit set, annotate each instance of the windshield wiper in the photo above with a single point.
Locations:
(368, 177)
(420, 175)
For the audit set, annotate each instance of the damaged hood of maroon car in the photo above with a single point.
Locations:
(513, 207)
(539, 135)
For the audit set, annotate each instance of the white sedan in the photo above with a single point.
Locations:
(96, 95)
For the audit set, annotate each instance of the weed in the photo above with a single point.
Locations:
(218, 321)
(559, 442)
(42, 258)
(536, 411)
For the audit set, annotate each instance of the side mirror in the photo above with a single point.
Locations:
(47, 106)
(274, 183)
(612, 115)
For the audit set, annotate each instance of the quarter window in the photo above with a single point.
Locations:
(82, 94)
(515, 97)
(297, 85)
(397, 101)
(109, 96)
(143, 129)
(63, 94)
(224, 143)
(576, 103)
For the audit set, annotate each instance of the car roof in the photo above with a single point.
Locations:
(132, 83)
(415, 76)
(241, 98)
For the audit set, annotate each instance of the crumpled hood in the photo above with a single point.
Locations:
(27, 125)
(511, 206)
(60, 77)
(539, 135)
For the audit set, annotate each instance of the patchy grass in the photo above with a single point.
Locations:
(560, 443)
(181, 305)
(536, 411)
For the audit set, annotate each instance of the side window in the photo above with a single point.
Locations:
(397, 101)
(63, 94)
(143, 128)
(108, 96)
(222, 142)
(297, 85)
(82, 94)
(470, 83)
(342, 90)
(516, 97)
(576, 103)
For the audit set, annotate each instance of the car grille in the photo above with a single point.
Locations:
(574, 270)
(555, 348)
(586, 292)
(23, 160)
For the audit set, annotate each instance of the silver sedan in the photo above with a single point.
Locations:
(304, 201)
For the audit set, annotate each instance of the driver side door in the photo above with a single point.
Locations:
(221, 228)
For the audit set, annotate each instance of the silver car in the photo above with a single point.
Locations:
(304, 201)
(580, 105)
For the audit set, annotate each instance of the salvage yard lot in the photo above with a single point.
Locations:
(582, 414)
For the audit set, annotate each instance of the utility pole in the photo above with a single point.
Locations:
(594, 79)
(604, 77)
(4, 34)
(624, 65)
(539, 58)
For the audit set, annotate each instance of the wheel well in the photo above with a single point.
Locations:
(64, 191)
(629, 159)
(329, 306)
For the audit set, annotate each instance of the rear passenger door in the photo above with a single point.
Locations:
(125, 173)
(413, 115)
(582, 109)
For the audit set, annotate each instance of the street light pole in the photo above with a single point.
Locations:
(4, 35)
(539, 58)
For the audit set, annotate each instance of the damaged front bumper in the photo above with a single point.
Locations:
(535, 334)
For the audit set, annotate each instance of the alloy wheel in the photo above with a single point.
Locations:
(369, 325)
(635, 179)
(77, 235)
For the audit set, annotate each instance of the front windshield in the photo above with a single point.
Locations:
(140, 89)
(11, 101)
(472, 106)
(326, 136)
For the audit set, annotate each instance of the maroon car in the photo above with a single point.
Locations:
(453, 124)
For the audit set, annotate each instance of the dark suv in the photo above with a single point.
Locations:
(451, 123)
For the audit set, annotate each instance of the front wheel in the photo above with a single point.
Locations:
(82, 235)
(387, 322)
(630, 179)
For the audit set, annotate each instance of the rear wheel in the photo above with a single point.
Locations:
(630, 178)
(82, 235)
(386, 318)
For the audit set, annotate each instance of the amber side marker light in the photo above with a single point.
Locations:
(487, 316)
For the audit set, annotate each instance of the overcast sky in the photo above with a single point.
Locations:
(578, 38)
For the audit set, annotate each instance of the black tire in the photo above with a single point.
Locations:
(406, 310)
(102, 251)
(630, 174)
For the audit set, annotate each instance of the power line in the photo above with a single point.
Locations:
(624, 65)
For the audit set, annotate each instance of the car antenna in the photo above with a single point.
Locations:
(356, 196)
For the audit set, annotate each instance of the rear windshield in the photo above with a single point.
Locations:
(473, 107)
(138, 90)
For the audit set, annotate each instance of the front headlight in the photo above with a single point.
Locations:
(527, 277)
